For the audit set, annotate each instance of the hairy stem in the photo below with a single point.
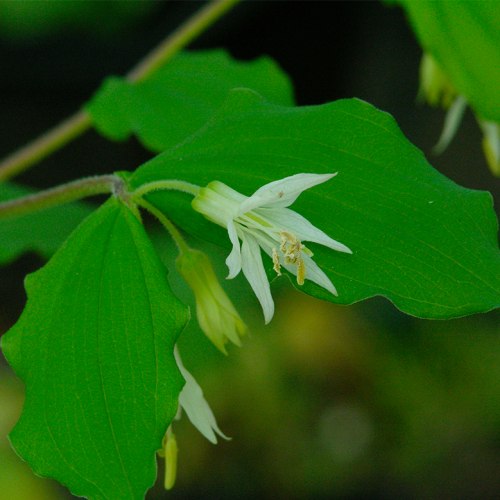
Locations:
(74, 126)
(167, 224)
(185, 187)
(65, 193)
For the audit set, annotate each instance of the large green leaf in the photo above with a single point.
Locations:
(181, 96)
(420, 240)
(94, 347)
(42, 232)
(464, 36)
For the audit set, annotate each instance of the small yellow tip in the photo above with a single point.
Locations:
(170, 462)
(301, 272)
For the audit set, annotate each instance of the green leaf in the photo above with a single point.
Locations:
(94, 347)
(42, 232)
(181, 96)
(464, 38)
(418, 239)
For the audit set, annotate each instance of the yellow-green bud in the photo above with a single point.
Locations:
(168, 451)
(216, 315)
(491, 145)
(435, 86)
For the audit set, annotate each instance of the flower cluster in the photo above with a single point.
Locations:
(261, 221)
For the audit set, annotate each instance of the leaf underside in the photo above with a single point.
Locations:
(94, 347)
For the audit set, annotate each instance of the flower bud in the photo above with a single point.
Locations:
(435, 86)
(217, 316)
(491, 145)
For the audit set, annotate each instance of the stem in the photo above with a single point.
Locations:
(184, 34)
(43, 146)
(77, 124)
(167, 224)
(186, 187)
(65, 193)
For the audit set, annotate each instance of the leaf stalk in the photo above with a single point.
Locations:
(167, 224)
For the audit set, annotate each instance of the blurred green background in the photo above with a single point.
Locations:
(325, 402)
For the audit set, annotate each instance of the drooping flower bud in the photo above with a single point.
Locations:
(216, 314)
(435, 86)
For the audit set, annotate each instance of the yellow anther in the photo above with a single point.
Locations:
(292, 247)
(301, 272)
(276, 262)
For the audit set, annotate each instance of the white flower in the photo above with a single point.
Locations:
(201, 416)
(263, 221)
(194, 404)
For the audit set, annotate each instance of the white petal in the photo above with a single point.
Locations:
(197, 409)
(226, 191)
(234, 259)
(314, 273)
(214, 207)
(300, 227)
(282, 193)
(451, 123)
(253, 268)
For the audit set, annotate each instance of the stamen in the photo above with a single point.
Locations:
(276, 261)
(301, 272)
(292, 247)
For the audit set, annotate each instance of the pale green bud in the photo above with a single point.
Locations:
(216, 315)
(491, 145)
(169, 452)
(435, 86)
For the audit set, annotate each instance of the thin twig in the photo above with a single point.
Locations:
(74, 126)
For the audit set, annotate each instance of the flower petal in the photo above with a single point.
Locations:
(233, 260)
(313, 273)
(214, 207)
(253, 269)
(300, 227)
(451, 123)
(197, 409)
(227, 192)
(283, 192)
